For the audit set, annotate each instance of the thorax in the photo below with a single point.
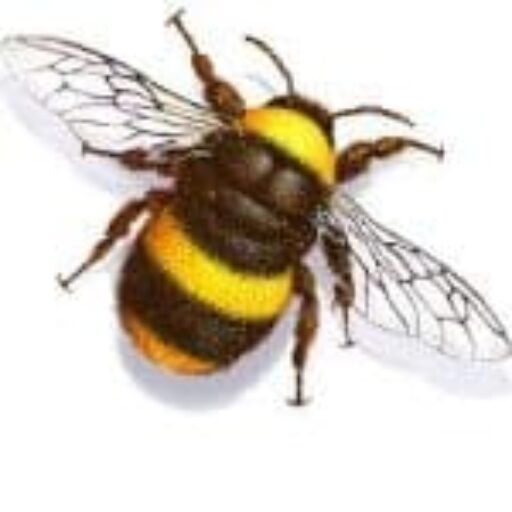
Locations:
(252, 188)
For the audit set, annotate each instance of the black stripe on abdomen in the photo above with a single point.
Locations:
(174, 315)
(227, 240)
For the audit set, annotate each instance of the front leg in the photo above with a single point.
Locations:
(357, 157)
(305, 329)
(220, 94)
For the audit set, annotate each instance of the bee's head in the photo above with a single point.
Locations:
(299, 127)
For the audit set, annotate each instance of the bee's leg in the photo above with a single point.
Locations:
(305, 329)
(220, 94)
(337, 254)
(356, 158)
(165, 161)
(117, 229)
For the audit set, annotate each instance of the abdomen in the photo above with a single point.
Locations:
(188, 308)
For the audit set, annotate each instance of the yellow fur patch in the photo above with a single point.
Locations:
(296, 134)
(237, 294)
(163, 354)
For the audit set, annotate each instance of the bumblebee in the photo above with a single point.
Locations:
(222, 251)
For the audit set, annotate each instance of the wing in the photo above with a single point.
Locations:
(108, 105)
(402, 288)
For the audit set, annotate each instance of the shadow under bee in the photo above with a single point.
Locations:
(212, 391)
(473, 379)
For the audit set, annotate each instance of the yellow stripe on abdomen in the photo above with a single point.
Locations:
(297, 135)
(237, 294)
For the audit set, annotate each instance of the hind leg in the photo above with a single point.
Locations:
(305, 330)
(117, 229)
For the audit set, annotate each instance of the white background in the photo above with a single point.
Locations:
(86, 425)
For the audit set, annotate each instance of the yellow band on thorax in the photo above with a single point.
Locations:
(235, 293)
(296, 134)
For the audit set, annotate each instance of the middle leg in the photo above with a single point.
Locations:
(164, 160)
(337, 253)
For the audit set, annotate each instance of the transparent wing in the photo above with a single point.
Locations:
(402, 288)
(107, 104)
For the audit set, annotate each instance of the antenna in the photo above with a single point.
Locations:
(285, 72)
(374, 109)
